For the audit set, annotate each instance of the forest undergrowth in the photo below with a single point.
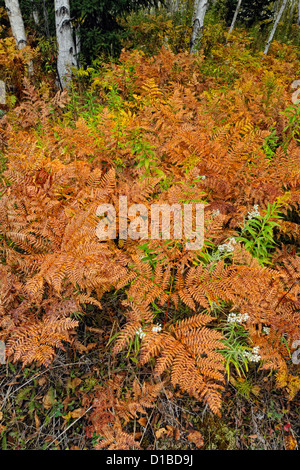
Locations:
(141, 343)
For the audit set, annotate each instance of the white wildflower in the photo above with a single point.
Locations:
(254, 213)
(252, 356)
(140, 333)
(156, 328)
(266, 330)
(237, 318)
(227, 247)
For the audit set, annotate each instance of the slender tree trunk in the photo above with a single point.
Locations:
(66, 47)
(16, 22)
(200, 11)
(17, 27)
(46, 20)
(35, 13)
(234, 19)
(279, 15)
(77, 45)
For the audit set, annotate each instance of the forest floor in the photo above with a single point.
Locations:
(49, 408)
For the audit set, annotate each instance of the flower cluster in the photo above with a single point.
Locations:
(252, 356)
(156, 328)
(237, 317)
(254, 213)
(227, 247)
(266, 330)
(141, 334)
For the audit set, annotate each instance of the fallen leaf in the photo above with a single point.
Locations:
(37, 421)
(75, 382)
(48, 399)
(77, 413)
(253, 436)
(42, 381)
(255, 390)
(172, 432)
(290, 442)
(196, 438)
(160, 432)
(95, 330)
(80, 347)
(143, 421)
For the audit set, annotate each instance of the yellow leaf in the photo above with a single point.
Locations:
(290, 442)
(255, 390)
(67, 417)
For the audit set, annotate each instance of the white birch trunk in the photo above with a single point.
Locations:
(234, 19)
(279, 15)
(35, 13)
(16, 22)
(200, 11)
(66, 47)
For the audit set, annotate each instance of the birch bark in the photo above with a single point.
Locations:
(200, 11)
(279, 15)
(16, 22)
(66, 47)
(234, 19)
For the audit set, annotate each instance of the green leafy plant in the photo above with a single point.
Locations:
(270, 143)
(236, 351)
(293, 127)
(145, 156)
(258, 233)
